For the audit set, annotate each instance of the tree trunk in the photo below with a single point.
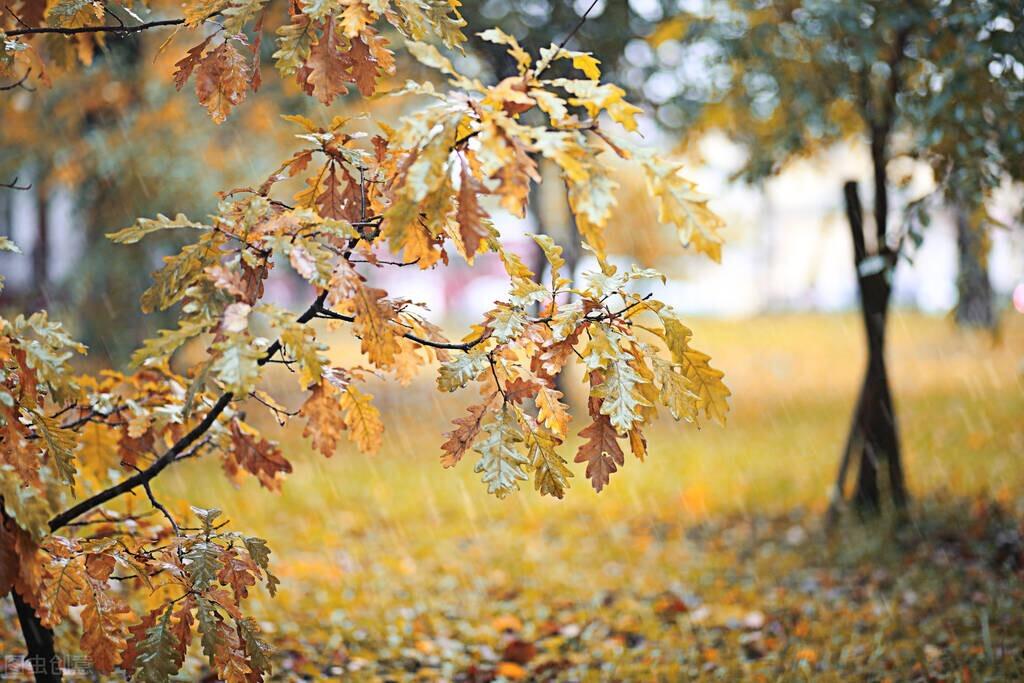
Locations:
(974, 305)
(41, 250)
(873, 437)
(39, 641)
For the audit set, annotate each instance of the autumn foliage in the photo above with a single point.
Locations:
(414, 192)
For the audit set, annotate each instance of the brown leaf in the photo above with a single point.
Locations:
(237, 571)
(256, 455)
(601, 451)
(364, 67)
(184, 67)
(326, 70)
(470, 216)
(461, 439)
(331, 202)
(222, 80)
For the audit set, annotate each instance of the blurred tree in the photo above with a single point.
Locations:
(975, 305)
(108, 136)
(934, 82)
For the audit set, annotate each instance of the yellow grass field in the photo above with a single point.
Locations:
(707, 560)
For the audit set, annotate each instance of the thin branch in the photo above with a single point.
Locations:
(544, 64)
(179, 447)
(466, 346)
(38, 30)
(20, 83)
(158, 505)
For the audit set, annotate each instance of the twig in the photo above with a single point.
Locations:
(20, 83)
(158, 505)
(466, 346)
(545, 63)
(106, 28)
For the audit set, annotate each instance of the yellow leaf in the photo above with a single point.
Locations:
(552, 413)
(363, 419)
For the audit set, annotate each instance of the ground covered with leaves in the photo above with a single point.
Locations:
(708, 561)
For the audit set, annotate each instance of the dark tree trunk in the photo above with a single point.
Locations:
(41, 250)
(873, 439)
(39, 641)
(974, 305)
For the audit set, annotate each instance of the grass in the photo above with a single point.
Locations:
(706, 561)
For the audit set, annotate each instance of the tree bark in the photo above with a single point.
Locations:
(39, 641)
(873, 437)
(974, 305)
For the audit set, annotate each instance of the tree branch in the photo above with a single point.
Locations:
(466, 346)
(122, 28)
(13, 185)
(180, 446)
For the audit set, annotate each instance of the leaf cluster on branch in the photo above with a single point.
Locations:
(417, 189)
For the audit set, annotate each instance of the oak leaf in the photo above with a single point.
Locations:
(461, 439)
(601, 451)
(222, 80)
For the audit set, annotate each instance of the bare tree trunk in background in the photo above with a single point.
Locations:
(41, 249)
(974, 305)
(874, 436)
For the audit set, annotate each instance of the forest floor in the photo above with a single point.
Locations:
(709, 561)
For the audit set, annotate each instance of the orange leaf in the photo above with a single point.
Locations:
(256, 455)
(461, 439)
(104, 636)
(222, 80)
(325, 422)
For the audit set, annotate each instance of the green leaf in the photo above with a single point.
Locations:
(675, 391)
(622, 400)
(158, 655)
(203, 564)
(208, 635)
(551, 474)
(260, 554)
(501, 461)
(258, 650)
(159, 349)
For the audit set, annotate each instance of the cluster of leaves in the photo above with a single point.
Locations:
(43, 455)
(324, 45)
(416, 191)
